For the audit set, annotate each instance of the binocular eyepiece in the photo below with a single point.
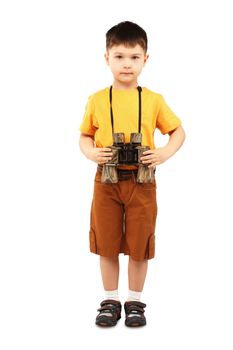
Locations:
(119, 138)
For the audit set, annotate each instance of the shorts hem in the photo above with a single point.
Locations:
(103, 254)
(134, 257)
(139, 256)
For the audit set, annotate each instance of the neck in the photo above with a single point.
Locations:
(124, 86)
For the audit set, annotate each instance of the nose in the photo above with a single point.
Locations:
(127, 64)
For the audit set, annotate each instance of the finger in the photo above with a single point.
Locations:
(154, 164)
(149, 151)
(105, 149)
(103, 159)
(149, 160)
(105, 154)
(152, 161)
(146, 157)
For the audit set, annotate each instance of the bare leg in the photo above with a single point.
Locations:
(110, 272)
(137, 274)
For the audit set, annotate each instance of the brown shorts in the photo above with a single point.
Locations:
(123, 217)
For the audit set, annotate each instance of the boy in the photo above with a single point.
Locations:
(123, 212)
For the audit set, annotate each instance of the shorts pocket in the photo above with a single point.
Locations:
(92, 241)
(151, 247)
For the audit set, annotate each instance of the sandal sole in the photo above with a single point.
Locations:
(134, 323)
(106, 322)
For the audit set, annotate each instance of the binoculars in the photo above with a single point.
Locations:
(127, 154)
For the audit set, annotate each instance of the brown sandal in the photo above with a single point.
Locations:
(109, 313)
(134, 314)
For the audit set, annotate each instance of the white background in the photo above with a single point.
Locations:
(51, 61)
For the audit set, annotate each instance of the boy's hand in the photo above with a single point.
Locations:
(155, 156)
(100, 155)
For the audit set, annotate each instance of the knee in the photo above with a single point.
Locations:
(137, 262)
(109, 259)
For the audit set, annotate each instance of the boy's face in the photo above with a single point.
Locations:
(126, 63)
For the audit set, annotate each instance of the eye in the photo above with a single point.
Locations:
(118, 56)
(135, 57)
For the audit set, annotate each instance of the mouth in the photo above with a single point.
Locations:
(126, 73)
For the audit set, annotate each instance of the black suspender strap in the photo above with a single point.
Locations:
(111, 111)
(139, 108)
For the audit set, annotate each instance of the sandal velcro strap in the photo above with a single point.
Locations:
(135, 305)
(135, 308)
(109, 308)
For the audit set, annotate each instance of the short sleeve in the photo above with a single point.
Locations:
(89, 123)
(166, 119)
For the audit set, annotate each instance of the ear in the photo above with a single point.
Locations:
(106, 55)
(146, 58)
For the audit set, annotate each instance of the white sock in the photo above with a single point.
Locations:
(112, 294)
(134, 296)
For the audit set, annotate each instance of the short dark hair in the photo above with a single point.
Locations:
(128, 34)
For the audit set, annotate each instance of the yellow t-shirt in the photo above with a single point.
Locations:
(155, 114)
